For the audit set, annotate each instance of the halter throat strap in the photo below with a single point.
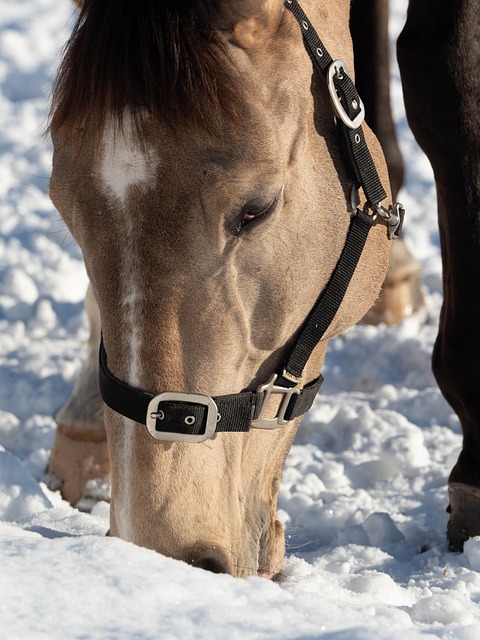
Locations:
(186, 417)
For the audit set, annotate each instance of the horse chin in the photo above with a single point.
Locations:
(241, 563)
(269, 575)
(215, 560)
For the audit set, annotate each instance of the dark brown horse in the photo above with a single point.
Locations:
(196, 157)
(438, 54)
(442, 108)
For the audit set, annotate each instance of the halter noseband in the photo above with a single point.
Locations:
(187, 417)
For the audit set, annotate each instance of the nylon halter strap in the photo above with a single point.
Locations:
(187, 417)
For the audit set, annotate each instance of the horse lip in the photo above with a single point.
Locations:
(268, 575)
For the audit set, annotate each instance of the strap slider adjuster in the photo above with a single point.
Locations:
(267, 390)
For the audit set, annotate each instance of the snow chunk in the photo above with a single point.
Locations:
(381, 530)
(19, 285)
(442, 609)
(45, 315)
(333, 475)
(380, 585)
(9, 423)
(406, 453)
(311, 486)
(471, 551)
(353, 534)
(20, 496)
(322, 523)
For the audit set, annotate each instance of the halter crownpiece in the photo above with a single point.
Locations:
(187, 417)
(350, 114)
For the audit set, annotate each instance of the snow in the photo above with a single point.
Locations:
(364, 492)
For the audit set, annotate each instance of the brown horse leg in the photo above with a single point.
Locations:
(401, 295)
(79, 464)
(439, 59)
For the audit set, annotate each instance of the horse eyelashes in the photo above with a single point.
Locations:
(253, 212)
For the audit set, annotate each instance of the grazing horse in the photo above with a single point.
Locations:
(198, 164)
(442, 109)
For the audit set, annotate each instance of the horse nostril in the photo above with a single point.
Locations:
(210, 559)
(211, 564)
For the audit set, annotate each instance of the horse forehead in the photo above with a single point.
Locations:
(159, 162)
(180, 160)
(262, 133)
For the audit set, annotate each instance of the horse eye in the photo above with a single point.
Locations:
(252, 212)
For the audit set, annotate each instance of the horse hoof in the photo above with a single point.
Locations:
(464, 510)
(75, 466)
(401, 296)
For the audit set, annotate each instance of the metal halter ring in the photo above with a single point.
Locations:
(392, 217)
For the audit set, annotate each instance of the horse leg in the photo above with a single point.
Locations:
(401, 295)
(439, 59)
(79, 463)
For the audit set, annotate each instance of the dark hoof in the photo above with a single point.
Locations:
(464, 512)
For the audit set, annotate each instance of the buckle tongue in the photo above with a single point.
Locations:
(268, 389)
(156, 414)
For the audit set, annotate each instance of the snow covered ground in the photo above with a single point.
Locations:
(364, 490)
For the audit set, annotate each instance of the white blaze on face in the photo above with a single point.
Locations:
(126, 163)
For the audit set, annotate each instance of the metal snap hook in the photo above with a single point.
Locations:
(354, 198)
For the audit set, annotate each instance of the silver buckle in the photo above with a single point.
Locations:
(154, 412)
(268, 389)
(339, 67)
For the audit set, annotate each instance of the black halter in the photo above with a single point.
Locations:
(188, 417)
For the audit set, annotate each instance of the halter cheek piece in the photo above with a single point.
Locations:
(188, 417)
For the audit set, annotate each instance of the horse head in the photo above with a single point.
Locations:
(198, 166)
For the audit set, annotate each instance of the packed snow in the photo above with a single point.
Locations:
(364, 489)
